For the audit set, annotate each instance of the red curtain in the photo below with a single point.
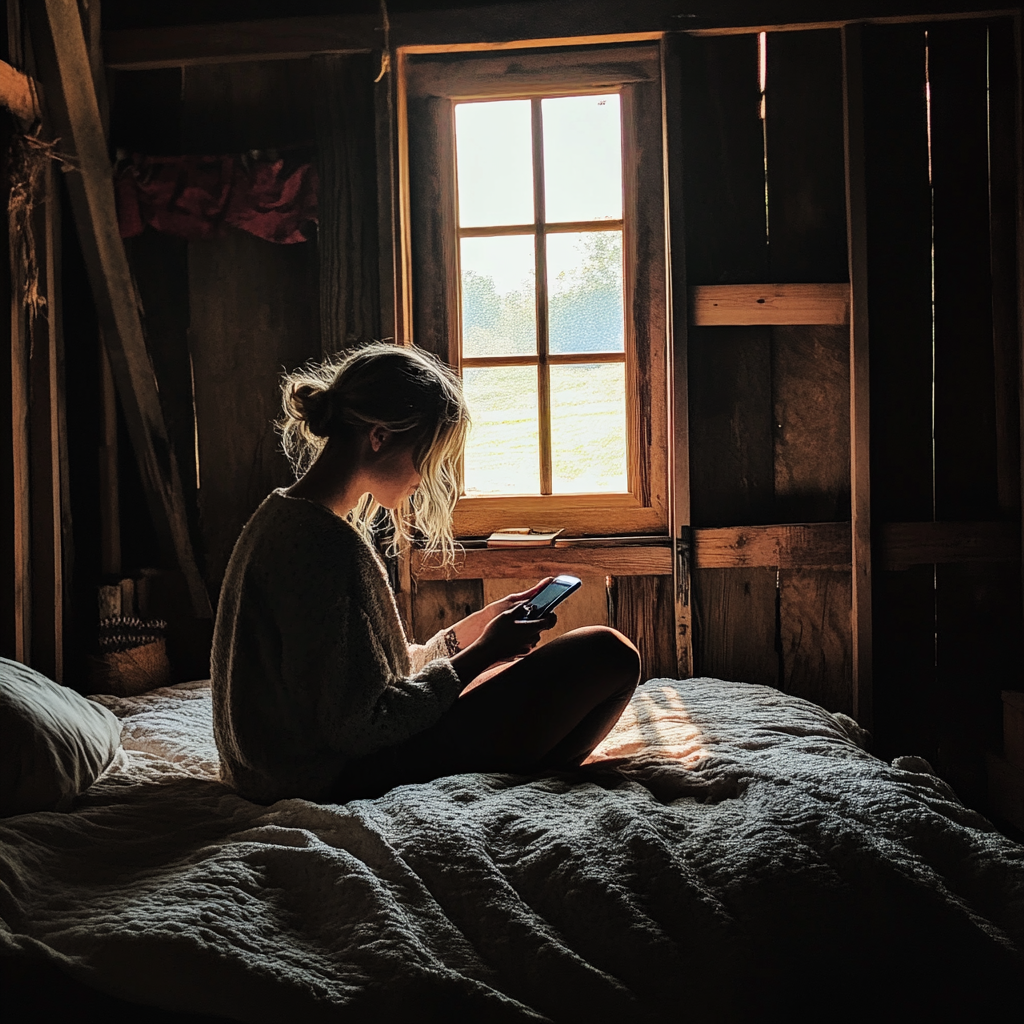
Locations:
(271, 196)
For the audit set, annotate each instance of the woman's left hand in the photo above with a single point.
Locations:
(469, 629)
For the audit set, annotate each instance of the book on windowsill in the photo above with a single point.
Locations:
(522, 537)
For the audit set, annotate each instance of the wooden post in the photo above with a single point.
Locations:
(71, 96)
(678, 320)
(860, 469)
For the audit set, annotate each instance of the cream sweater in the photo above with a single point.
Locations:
(310, 663)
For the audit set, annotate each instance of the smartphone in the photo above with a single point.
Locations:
(551, 596)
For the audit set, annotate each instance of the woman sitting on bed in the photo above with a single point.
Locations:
(317, 692)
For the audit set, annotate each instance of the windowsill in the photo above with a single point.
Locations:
(596, 515)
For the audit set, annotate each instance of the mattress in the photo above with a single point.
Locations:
(729, 851)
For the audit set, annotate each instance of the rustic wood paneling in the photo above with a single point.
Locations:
(347, 232)
(438, 604)
(788, 547)
(804, 131)
(735, 632)
(253, 305)
(965, 450)
(814, 631)
(810, 400)
(643, 611)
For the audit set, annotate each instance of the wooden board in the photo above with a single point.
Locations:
(587, 607)
(904, 544)
(731, 439)
(804, 131)
(253, 305)
(347, 232)
(814, 631)
(735, 630)
(793, 546)
(438, 604)
(965, 449)
(810, 379)
(511, 563)
(723, 305)
(643, 610)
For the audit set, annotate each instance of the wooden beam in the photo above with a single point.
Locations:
(679, 373)
(496, 26)
(794, 546)
(270, 39)
(509, 563)
(902, 545)
(71, 98)
(860, 406)
(18, 94)
(742, 305)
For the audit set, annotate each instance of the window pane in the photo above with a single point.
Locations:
(585, 292)
(588, 428)
(498, 310)
(582, 158)
(502, 454)
(494, 156)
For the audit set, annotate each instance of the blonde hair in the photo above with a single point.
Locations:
(408, 392)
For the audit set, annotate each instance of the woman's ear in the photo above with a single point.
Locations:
(378, 436)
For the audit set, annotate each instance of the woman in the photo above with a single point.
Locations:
(317, 693)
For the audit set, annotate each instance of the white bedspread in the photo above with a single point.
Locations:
(731, 850)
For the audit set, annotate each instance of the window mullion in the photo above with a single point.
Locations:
(541, 291)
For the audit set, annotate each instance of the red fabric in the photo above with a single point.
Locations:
(194, 196)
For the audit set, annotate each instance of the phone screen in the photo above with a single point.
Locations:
(550, 595)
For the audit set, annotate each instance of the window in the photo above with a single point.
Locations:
(538, 269)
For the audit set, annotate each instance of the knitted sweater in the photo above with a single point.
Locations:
(310, 664)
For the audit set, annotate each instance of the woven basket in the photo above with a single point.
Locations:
(132, 658)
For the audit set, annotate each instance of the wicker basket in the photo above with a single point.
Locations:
(132, 658)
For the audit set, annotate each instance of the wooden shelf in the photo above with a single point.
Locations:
(509, 563)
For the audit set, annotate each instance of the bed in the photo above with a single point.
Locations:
(730, 852)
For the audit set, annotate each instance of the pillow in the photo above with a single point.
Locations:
(53, 742)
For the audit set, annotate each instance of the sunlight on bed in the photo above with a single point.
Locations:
(656, 723)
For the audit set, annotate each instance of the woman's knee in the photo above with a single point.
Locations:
(611, 651)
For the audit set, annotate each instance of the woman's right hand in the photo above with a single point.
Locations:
(505, 637)
(508, 635)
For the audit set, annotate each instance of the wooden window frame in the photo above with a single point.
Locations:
(431, 86)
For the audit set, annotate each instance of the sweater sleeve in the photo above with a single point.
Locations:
(421, 654)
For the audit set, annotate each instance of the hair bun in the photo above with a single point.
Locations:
(312, 405)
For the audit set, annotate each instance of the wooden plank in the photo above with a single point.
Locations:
(753, 304)
(814, 631)
(965, 449)
(438, 604)
(348, 223)
(804, 162)
(810, 380)
(860, 401)
(254, 306)
(735, 636)
(731, 437)
(641, 608)
(793, 546)
(269, 39)
(506, 563)
(525, 73)
(904, 544)
(1004, 203)
(18, 93)
(977, 649)
(67, 77)
(551, 23)
(898, 199)
(678, 434)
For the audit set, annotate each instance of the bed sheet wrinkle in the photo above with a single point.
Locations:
(728, 848)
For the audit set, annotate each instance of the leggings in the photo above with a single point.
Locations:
(546, 711)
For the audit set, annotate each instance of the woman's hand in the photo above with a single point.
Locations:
(505, 637)
(471, 628)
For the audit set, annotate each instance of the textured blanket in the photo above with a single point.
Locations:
(730, 853)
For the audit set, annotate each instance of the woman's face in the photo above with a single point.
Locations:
(393, 477)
